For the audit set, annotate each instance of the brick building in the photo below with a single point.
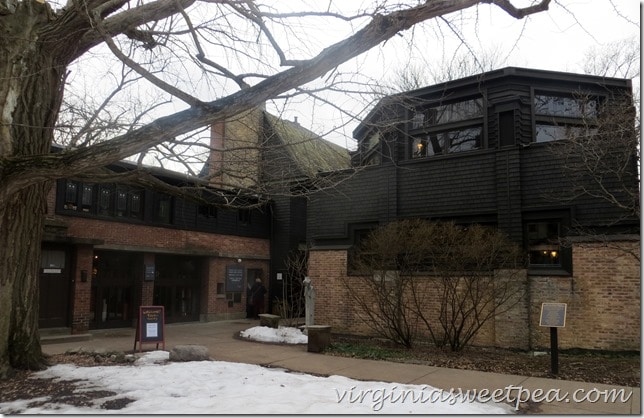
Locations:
(475, 150)
(109, 248)
(483, 149)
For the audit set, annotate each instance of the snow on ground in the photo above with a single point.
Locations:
(215, 387)
(288, 335)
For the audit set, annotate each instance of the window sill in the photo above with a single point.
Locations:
(548, 271)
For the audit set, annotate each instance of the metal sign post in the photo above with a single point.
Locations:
(553, 315)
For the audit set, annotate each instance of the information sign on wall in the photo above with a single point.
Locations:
(149, 272)
(234, 279)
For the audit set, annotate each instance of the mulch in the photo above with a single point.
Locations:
(611, 368)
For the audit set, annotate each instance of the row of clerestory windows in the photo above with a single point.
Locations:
(459, 126)
(112, 200)
(126, 202)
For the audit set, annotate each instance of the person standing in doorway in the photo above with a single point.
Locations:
(249, 301)
(257, 293)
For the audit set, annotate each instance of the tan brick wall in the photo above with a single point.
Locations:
(602, 297)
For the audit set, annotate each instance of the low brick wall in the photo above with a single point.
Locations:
(603, 298)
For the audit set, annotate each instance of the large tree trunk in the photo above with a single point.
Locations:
(21, 225)
(30, 97)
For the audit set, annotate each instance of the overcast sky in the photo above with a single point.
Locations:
(554, 40)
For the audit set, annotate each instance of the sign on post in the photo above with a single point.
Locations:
(553, 315)
(150, 327)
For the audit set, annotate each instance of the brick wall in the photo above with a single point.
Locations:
(82, 289)
(603, 298)
(153, 237)
(217, 306)
(603, 301)
(225, 250)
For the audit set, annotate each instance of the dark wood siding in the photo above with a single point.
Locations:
(512, 178)
(364, 197)
(458, 185)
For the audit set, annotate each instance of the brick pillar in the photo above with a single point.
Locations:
(82, 288)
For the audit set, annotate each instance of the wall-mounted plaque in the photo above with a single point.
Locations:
(234, 279)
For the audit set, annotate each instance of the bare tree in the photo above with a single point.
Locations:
(441, 277)
(234, 42)
(414, 76)
(600, 159)
(291, 306)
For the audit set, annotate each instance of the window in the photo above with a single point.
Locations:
(546, 133)
(559, 117)
(71, 195)
(162, 208)
(121, 201)
(543, 241)
(135, 204)
(448, 128)
(244, 216)
(52, 259)
(207, 211)
(105, 200)
(447, 142)
(87, 197)
(372, 151)
(565, 106)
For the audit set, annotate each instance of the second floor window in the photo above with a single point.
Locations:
(560, 117)
(163, 208)
(447, 142)
(103, 199)
(447, 128)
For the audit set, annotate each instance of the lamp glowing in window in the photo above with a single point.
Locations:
(419, 146)
(553, 254)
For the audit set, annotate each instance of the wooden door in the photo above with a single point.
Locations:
(55, 283)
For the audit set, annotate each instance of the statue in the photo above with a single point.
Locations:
(309, 302)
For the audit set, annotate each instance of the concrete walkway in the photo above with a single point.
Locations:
(219, 338)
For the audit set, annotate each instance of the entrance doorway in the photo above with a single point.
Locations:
(177, 287)
(55, 287)
(113, 279)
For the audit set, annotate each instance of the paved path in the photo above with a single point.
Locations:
(220, 339)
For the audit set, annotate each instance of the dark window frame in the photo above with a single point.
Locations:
(207, 211)
(87, 197)
(441, 133)
(563, 266)
(556, 125)
(163, 204)
(244, 216)
(71, 195)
